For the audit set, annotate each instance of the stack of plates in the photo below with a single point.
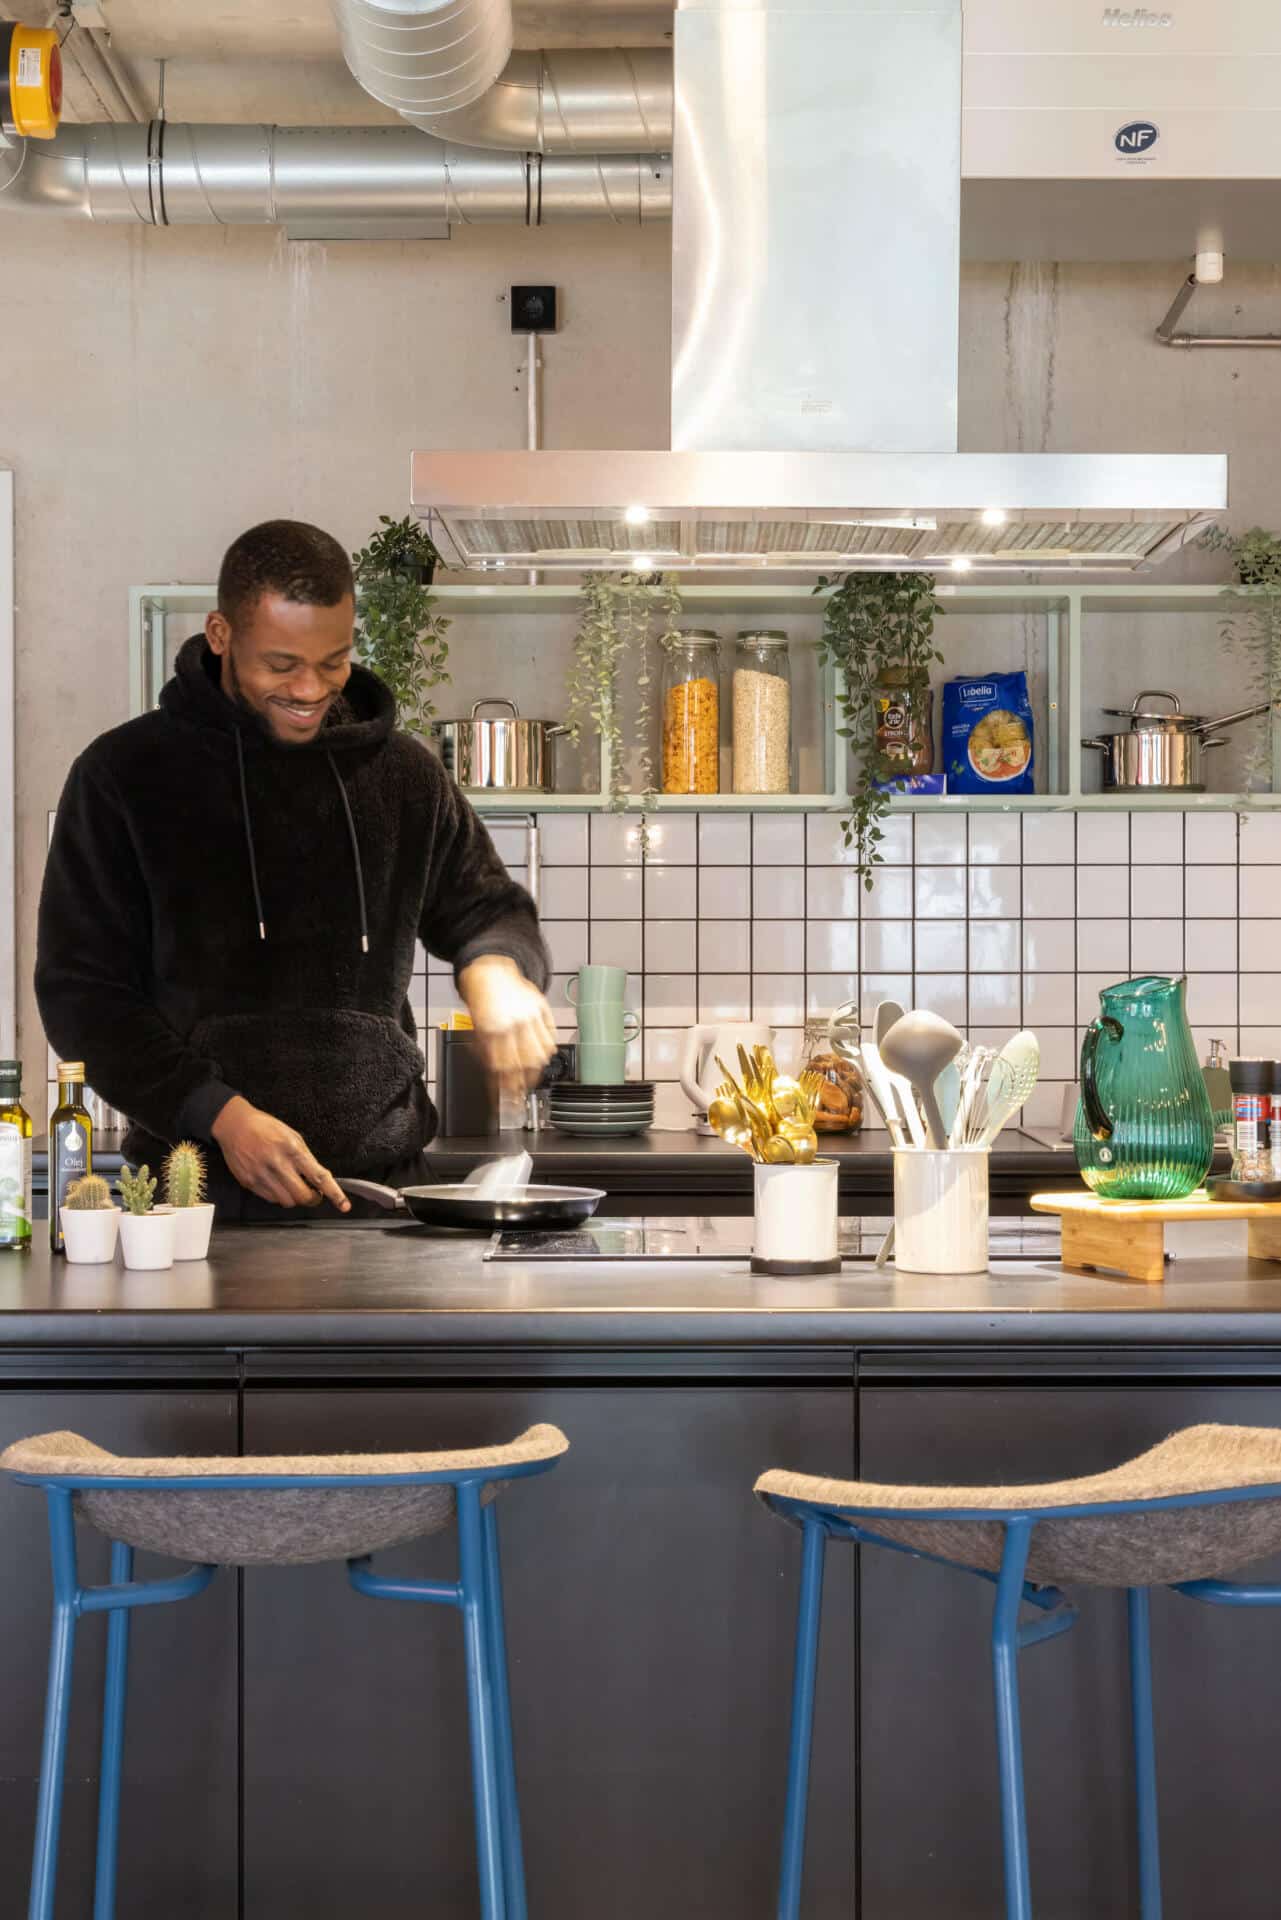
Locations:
(602, 1111)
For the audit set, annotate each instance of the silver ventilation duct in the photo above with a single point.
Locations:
(425, 60)
(321, 181)
(595, 100)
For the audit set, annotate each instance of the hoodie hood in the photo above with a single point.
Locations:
(363, 717)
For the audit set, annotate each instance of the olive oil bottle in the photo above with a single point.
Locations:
(15, 1162)
(70, 1143)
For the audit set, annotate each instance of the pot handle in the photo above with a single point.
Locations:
(476, 706)
(1207, 744)
(1157, 693)
(1095, 1112)
(386, 1197)
(1231, 719)
(1105, 743)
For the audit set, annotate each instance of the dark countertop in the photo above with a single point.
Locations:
(327, 1286)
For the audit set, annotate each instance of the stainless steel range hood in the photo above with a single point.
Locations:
(816, 225)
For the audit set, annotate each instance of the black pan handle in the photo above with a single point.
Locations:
(372, 1190)
(1095, 1112)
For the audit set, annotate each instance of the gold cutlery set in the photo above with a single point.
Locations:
(767, 1113)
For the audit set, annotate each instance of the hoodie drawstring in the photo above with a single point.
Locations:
(249, 836)
(355, 852)
(253, 856)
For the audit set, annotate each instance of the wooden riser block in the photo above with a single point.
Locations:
(1135, 1248)
(1263, 1239)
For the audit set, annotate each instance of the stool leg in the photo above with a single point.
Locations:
(53, 1754)
(480, 1705)
(1009, 1738)
(509, 1805)
(1144, 1754)
(814, 1542)
(113, 1740)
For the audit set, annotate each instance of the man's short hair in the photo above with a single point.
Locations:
(300, 562)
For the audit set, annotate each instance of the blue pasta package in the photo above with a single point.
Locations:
(987, 734)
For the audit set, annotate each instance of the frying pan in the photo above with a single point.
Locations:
(458, 1206)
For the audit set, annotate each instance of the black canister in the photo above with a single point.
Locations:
(464, 1099)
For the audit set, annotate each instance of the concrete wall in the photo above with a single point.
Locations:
(163, 390)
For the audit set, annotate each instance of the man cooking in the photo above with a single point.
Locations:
(235, 888)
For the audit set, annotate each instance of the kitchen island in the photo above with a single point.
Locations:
(296, 1750)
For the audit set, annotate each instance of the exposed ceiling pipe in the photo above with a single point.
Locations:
(594, 100)
(171, 174)
(1168, 337)
(421, 59)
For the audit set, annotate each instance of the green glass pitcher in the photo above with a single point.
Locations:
(1144, 1129)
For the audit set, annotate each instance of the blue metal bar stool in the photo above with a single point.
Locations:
(1202, 1504)
(277, 1512)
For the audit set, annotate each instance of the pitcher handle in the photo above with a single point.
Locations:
(1095, 1112)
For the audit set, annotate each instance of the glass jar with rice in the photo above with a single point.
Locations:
(762, 697)
(692, 714)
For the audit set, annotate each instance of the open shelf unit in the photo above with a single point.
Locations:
(1064, 611)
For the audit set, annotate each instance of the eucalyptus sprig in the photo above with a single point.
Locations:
(1251, 628)
(872, 621)
(399, 635)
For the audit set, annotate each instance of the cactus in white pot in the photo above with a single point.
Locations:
(90, 1222)
(146, 1230)
(193, 1215)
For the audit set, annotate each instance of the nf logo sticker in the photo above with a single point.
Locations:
(1136, 139)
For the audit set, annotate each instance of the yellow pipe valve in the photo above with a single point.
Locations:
(30, 81)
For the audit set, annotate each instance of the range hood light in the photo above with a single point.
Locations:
(643, 562)
(962, 563)
(994, 516)
(636, 516)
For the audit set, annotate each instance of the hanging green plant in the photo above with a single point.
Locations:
(616, 634)
(1251, 628)
(399, 634)
(873, 622)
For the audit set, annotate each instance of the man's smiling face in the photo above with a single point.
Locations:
(286, 661)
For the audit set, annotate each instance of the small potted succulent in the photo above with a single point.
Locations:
(90, 1221)
(193, 1215)
(146, 1230)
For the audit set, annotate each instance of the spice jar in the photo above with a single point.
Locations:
(762, 694)
(839, 1106)
(1251, 1119)
(692, 715)
(904, 726)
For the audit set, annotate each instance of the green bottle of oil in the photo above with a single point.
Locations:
(70, 1144)
(15, 1162)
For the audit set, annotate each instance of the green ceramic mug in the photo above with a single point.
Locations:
(596, 986)
(602, 1063)
(606, 1025)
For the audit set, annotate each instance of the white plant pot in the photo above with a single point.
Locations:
(192, 1227)
(797, 1228)
(146, 1239)
(90, 1234)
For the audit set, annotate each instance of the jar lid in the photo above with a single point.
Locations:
(764, 636)
(698, 635)
(1250, 1076)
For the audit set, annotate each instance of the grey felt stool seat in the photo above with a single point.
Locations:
(256, 1526)
(1203, 1504)
(272, 1510)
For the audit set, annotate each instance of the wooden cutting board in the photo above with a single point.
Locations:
(1128, 1236)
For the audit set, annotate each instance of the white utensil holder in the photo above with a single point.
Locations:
(797, 1219)
(940, 1210)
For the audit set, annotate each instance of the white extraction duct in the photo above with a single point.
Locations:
(319, 182)
(425, 59)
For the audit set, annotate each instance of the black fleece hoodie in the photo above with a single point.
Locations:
(222, 914)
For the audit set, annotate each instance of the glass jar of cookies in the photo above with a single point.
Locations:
(838, 1107)
(692, 715)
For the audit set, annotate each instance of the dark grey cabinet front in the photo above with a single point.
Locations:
(930, 1822)
(650, 1614)
(178, 1834)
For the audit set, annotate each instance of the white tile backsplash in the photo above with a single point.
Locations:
(991, 919)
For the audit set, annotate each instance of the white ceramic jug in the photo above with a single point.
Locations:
(700, 1075)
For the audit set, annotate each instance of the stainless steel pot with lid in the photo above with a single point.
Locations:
(1161, 750)
(508, 755)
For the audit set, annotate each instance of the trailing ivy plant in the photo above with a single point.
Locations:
(1251, 627)
(615, 637)
(399, 634)
(872, 621)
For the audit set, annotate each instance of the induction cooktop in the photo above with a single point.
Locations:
(706, 1238)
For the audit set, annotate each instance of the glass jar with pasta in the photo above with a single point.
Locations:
(762, 696)
(692, 715)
